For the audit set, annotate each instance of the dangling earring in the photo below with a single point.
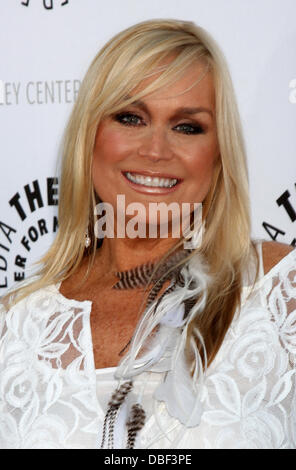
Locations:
(87, 240)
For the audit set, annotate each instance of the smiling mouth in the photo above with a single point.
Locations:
(151, 181)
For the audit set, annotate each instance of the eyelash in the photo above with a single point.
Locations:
(121, 118)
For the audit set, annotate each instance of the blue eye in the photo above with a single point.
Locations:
(133, 120)
(128, 119)
(189, 129)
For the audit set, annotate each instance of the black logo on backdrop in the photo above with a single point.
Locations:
(48, 4)
(284, 202)
(24, 203)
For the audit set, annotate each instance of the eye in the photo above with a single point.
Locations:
(189, 129)
(128, 119)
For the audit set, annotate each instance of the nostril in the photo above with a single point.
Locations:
(155, 151)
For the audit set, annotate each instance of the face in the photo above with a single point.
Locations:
(162, 148)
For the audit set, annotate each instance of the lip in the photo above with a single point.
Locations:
(153, 174)
(150, 189)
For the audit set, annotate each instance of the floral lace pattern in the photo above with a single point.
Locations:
(48, 396)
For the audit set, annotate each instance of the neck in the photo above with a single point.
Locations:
(121, 254)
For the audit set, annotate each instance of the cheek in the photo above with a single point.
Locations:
(201, 169)
(111, 146)
(107, 153)
(202, 160)
(107, 149)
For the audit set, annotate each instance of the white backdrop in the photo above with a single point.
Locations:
(46, 47)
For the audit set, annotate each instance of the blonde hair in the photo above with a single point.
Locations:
(129, 57)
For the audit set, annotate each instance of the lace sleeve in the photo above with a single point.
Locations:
(280, 295)
(3, 314)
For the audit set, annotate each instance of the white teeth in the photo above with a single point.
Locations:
(149, 181)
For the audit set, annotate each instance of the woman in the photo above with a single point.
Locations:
(139, 341)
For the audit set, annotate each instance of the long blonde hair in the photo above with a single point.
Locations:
(128, 58)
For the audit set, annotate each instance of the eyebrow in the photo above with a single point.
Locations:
(178, 111)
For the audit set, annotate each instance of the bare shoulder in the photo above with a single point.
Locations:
(273, 252)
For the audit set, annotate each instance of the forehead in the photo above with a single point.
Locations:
(195, 86)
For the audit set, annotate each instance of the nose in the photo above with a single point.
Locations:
(155, 146)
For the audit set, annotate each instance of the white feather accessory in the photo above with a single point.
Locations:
(174, 317)
(177, 391)
(159, 346)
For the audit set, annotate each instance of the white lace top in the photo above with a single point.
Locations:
(51, 396)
